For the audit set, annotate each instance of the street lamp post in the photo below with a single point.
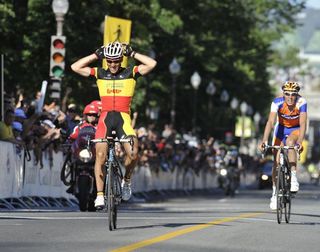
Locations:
(195, 82)
(211, 89)
(174, 69)
(243, 109)
(57, 51)
(234, 103)
(60, 8)
(224, 97)
(256, 118)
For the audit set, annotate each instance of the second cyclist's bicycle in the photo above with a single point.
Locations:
(113, 178)
(283, 184)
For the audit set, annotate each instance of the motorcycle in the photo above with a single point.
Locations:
(227, 176)
(78, 169)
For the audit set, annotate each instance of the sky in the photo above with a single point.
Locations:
(313, 4)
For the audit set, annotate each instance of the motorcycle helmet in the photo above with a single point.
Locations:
(90, 109)
(97, 104)
(91, 114)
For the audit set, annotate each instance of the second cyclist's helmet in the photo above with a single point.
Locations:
(291, 86)
(113, 51)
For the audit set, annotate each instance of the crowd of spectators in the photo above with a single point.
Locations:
(160, 149)
(37, 130)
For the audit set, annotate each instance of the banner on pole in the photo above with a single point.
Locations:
(39, 107)
(244, 127)
(117, 29)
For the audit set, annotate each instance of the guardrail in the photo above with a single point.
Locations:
(24, 184)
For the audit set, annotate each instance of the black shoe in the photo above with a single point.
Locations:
(70, 189)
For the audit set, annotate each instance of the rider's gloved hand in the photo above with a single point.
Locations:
(299, 147)
(100, 52)
(262, 146)
(128, 51)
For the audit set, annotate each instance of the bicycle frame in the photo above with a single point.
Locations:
(283, 182)
(113, 178)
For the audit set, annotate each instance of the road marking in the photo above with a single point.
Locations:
(174, 234)
(20, 217)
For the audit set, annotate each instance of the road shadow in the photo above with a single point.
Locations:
(171, 225)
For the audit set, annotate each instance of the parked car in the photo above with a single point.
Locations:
(265, 175)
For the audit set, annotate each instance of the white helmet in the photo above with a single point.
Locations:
(113, 51)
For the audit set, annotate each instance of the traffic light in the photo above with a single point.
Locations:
(55, 89)
(57, 56)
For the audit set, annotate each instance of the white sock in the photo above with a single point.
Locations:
(273, 190)
(294, 173)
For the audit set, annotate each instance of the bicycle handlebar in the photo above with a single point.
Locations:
(278, 147)
(111, 139)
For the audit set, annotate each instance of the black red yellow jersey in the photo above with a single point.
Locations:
(116, 90)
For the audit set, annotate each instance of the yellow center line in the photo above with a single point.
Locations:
(174, 234)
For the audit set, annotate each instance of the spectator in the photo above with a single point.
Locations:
(71, 119)
(6, 131)
(20, 116)
(17, 130)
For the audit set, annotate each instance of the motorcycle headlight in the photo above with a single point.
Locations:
(223, 172)
(85, 155)
(264, 177)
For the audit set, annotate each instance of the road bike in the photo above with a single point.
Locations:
(113, 178)
(283, 181)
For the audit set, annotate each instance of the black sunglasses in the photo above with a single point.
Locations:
(113, 61)
(92, 115)
(290, 94)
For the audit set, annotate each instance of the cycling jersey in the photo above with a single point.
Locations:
(116, 90)
(286, 117)
(288, 120)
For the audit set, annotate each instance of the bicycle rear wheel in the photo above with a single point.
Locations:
(280, 194)
(112, 215)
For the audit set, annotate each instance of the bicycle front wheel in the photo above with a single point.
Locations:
(287, 198)
(112, 215)
(280, 194)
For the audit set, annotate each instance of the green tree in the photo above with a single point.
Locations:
(225, 41)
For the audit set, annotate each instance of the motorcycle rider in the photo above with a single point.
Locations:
(90, 118)
(233, 160)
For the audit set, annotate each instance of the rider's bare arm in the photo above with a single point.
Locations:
(81, 66)
(303, 127)
(269, 126)
(147, 65)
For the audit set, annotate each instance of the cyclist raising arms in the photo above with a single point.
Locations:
(116, 88)
(291, 112)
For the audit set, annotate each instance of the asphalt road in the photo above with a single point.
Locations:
(195, 223)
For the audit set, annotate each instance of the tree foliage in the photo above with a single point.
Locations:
(227, 41)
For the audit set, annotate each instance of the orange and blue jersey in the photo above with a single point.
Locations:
(286, 117)
(288, 120)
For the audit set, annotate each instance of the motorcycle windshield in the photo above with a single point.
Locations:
(85, 134)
